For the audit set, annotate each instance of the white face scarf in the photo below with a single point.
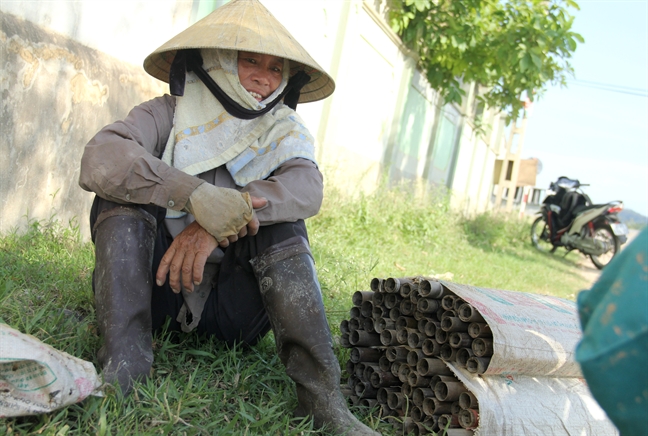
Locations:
(205, 136)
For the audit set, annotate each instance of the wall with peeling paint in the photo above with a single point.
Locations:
(56, 93)
(128, 31)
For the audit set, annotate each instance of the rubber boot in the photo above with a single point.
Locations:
(124, 239)
(293, 301)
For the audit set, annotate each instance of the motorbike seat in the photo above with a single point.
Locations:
(591, 206)
(571, 204)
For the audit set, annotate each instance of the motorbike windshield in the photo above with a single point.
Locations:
(567, 183)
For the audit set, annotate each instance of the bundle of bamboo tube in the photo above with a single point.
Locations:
(400, 334)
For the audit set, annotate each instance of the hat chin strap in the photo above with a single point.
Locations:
(190, 60)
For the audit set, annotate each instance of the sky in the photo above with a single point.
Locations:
(596, 129)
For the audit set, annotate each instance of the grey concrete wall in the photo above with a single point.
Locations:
(56, 93)
(127, 30)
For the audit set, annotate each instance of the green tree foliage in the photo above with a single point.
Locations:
(510, 47)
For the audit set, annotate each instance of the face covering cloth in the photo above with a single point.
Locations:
(205, 136)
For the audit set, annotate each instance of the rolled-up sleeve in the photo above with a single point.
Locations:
(120, 164)
(294, 191)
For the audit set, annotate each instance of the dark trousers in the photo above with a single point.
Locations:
(234, 311)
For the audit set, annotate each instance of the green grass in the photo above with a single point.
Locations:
(392, 234)
(202, 387)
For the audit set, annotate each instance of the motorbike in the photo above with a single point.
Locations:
(569, 219)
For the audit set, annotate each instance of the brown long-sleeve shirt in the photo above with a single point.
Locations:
(120, 164)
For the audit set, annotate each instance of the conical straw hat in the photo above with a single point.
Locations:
(244, 25)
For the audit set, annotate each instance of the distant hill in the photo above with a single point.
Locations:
(633, 219)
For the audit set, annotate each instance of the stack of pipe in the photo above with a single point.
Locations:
(401, 334)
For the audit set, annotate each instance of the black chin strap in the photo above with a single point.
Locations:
(190, 60)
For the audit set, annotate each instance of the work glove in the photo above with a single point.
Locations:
(220, 211)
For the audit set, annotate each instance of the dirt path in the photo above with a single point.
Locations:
(589, 272)
(587, 268)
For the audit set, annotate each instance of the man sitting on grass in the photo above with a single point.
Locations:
(200, 205)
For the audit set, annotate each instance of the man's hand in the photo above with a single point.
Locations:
(252, 227)
(186, 257)
(223, 212)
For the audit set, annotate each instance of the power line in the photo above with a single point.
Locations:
(611, 88)
(627, 88)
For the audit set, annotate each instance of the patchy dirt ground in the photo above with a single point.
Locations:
(587, 268)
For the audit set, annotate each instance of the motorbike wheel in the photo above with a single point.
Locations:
(540, 235)
(605, 234)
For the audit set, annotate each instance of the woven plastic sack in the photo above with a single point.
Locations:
(37, 378)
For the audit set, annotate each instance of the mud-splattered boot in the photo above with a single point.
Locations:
(293, 301)
(124, 238)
